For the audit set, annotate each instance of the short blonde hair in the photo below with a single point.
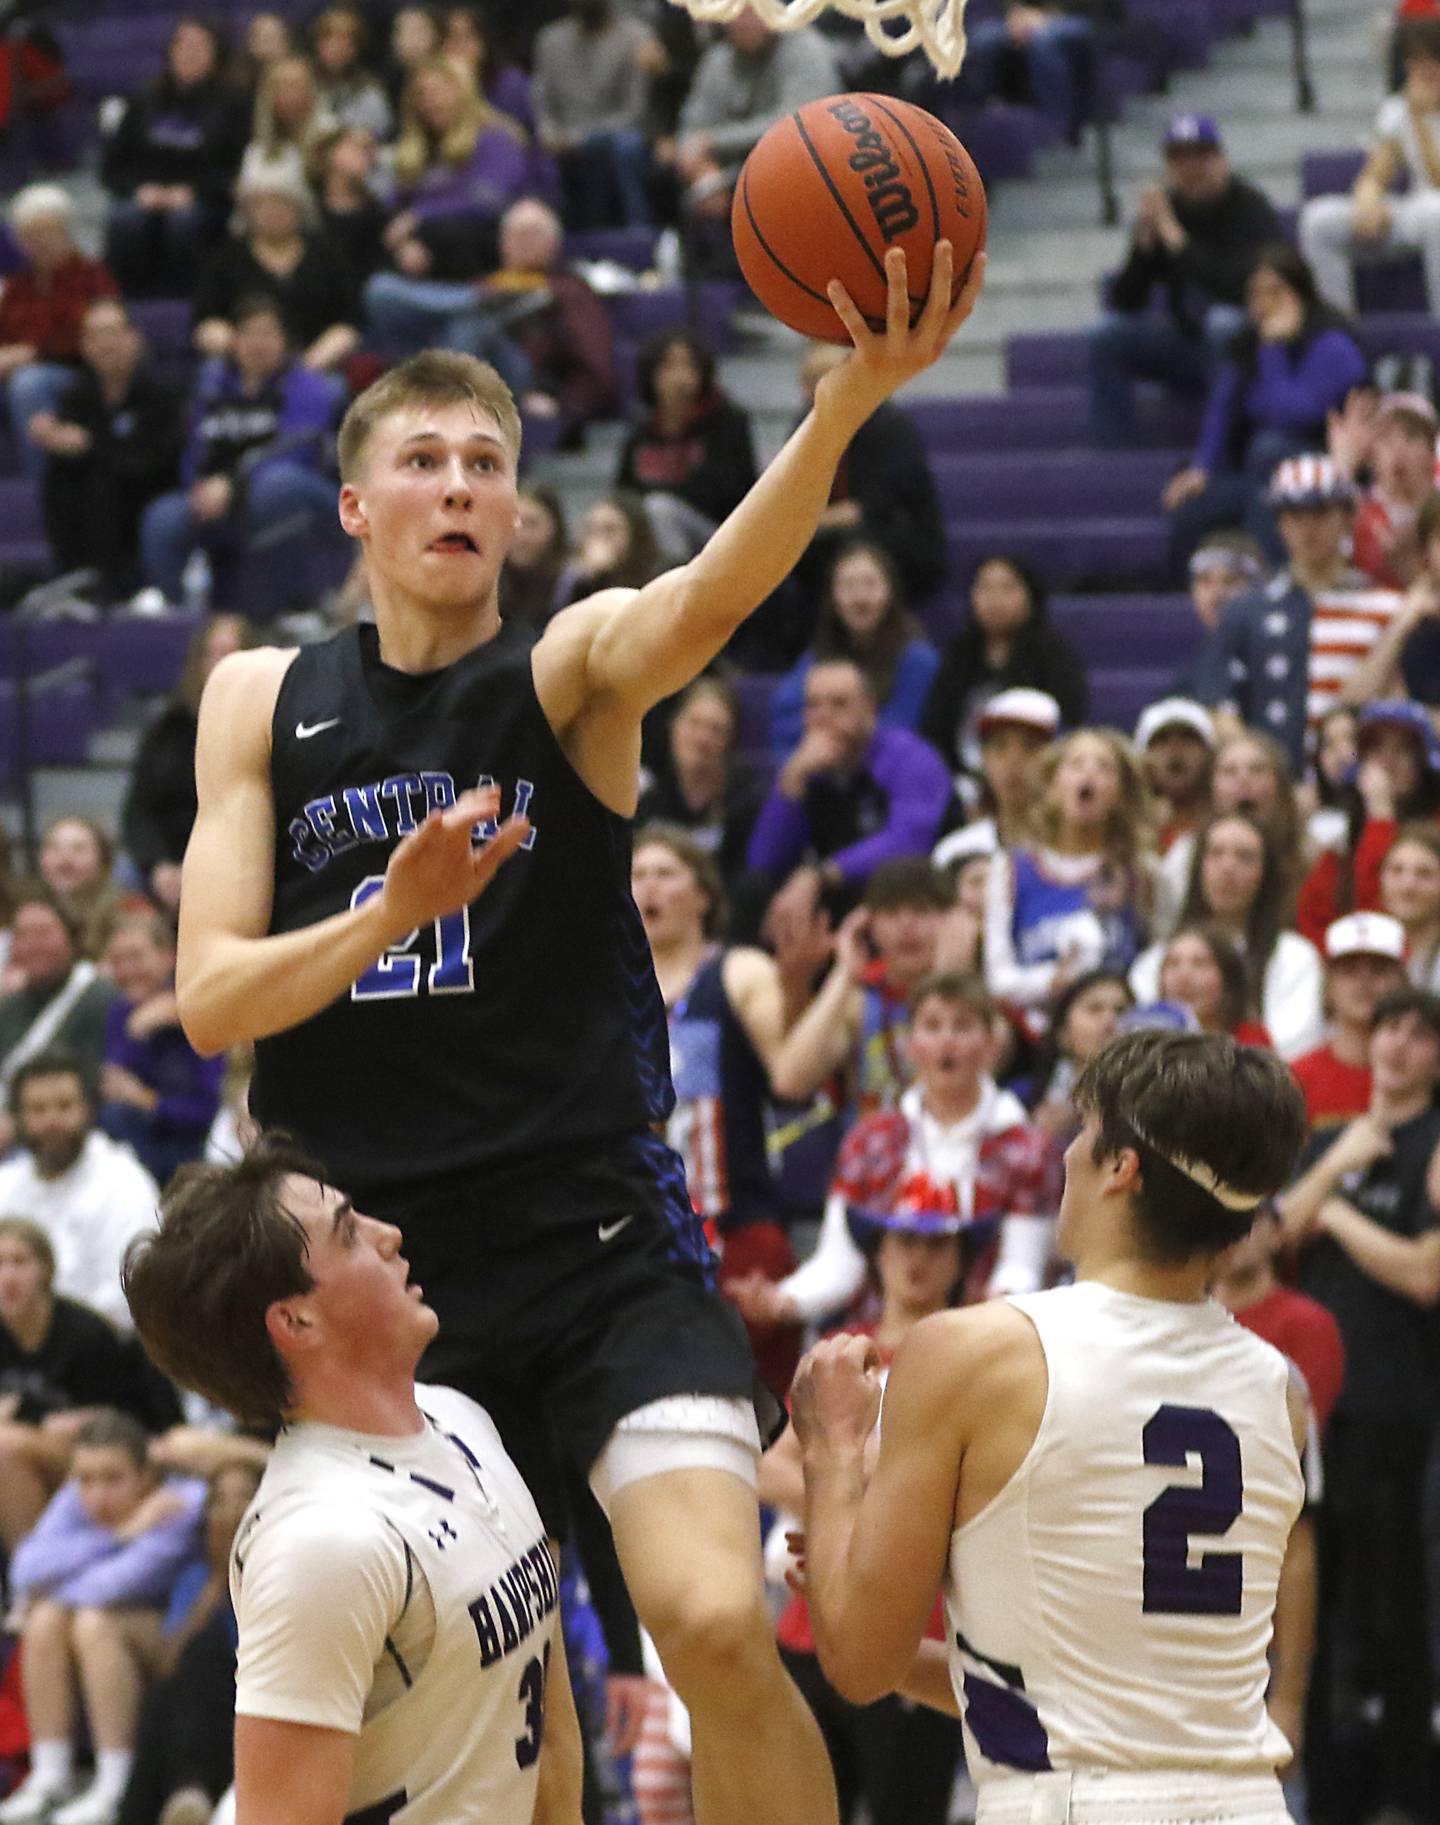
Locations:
(437, 377)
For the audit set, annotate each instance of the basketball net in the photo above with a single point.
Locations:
(936, 27)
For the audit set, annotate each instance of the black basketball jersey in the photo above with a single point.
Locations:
(526, 1024)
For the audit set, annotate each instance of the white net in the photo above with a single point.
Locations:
(936, 27)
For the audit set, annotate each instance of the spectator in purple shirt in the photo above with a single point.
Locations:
(1289, 368)
(457, 166)
(158, 1093)
(93, 1580)
(851, 795)
(259, 431)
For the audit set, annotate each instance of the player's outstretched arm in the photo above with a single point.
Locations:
(233, 982)
(650, 644)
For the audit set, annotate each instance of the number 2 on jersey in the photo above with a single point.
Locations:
(1173, 1586)
(532, 1696)
(396, 975)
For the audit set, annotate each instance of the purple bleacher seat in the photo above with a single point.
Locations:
(1119, 694)
(632, 247)
(1396, 283)
(1404, 333)
(638, 315)
(1184, 32)
(1112, 553)
(60, 721)
(1050, 358)
(1065, 485)
(755, 690)
(1002, 139)
(1326, 173)
(1045, 418)
(1133, 630)
(128, 655)
(164, 323)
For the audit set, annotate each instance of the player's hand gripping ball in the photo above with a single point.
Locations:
(832, 187)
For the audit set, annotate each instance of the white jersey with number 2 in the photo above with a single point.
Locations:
(401, 1589)
(1111, 1608)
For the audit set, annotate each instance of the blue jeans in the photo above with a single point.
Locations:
(283, 500)
(605, 172)
(1236, 497)
(1126, 346)
(1050, 63)
(156, 251)
(407, 315)
(37, 386)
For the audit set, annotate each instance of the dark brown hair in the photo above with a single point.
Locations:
(1269, 913)
(701, 863)
(200, 1285)
(910, 882)
(1237, 993)
(1198, 1097)
(957, 990)
(898, 627)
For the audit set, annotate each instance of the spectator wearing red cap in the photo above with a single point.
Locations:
(1336, 231)
(1398, 778)
(1394, 439)
(1364, 960)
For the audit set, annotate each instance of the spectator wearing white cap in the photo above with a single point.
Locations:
(1364, 960)
(1336, 231)
(1394, 440)
(1014, 728)
(1176, 740)
(1284, 653)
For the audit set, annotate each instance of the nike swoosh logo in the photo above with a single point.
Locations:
(304, 730)
(609, 1231)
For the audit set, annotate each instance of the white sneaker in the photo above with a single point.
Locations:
(33, 1801)
(97, 1805)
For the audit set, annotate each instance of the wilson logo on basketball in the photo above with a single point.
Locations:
(888, 194)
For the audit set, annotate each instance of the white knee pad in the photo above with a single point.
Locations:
(681, 1432)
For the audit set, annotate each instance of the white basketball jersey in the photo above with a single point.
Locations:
(1111, 1608)
(401, 1588)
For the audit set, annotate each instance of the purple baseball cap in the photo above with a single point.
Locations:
(1192, 133)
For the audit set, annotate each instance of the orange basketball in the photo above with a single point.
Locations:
(832, 187)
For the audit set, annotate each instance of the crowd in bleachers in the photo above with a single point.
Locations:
(1114, 701)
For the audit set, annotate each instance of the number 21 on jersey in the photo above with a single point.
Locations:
(402, 972)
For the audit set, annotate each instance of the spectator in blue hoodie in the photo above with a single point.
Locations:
(1294, 363)
(254, 457)
(93, 1582)
(158, 1093)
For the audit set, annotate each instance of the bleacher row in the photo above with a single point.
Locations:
(998, 460)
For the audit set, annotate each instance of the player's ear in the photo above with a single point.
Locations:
(352, 511)
(290, 1324)
(1125, 1171)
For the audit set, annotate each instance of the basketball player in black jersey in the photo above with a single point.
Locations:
(490, 1072)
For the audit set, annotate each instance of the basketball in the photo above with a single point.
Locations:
(831, 188)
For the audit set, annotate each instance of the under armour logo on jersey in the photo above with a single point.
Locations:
(304, 730)
(442, 1534)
